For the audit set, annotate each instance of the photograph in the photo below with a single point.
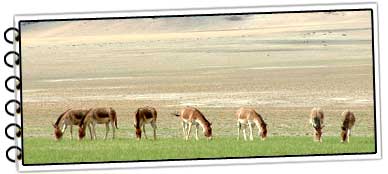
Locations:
(198, 87)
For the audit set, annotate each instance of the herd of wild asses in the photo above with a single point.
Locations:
(189, 116)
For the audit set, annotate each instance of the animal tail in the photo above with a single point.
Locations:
(313, 120)
(346, 122)
(317, 122)
(113, 112)
(155, 113)
(176, 114)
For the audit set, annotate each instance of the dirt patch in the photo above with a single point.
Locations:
(281, 70)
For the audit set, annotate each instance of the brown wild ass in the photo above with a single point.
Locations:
(142, 117)
(249, 117)
(190, 116)
(98, 116)
(316, 120)
(68, 118)
(347, 123)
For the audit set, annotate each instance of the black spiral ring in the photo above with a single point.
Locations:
(18, 132)
(18, 85)
(18, 109)
(18, 156)
(17, 61)
(17, 38)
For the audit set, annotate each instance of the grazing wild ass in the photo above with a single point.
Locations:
(190, 116)
(68, 118)
(347, 123)
(98, 116)
(316, 120)
(249, 117)
(142, 117)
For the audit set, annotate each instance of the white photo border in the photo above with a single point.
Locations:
(208, 162)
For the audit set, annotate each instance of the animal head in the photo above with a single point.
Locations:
(82, 125)
(136, 124)
(263, 131)
(343, 134)
(81, 132)
(138, 133)
(208, 131)
(57, 132)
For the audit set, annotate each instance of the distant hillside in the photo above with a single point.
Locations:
(179, 26)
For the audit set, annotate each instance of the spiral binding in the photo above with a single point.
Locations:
(18, 156)
(18, 131)
(17, 37)
(17, 61)
(18, 106)
(18, 84)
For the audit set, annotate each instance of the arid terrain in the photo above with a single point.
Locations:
(280, 64)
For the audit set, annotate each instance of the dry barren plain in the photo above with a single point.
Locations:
(280, 64)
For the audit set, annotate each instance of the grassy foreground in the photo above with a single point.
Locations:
(45, 150)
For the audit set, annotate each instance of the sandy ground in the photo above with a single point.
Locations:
(280, 64)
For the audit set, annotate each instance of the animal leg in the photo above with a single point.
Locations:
(71, 132)
(250, 131)
(90, 131)
(113, 129)
(314, 138)
(196, 132)
(244, 133)
(258, 128)
(145, 135)
(349, 132)
(64, 127)
(184, 129)
(153, 124)
(94, 131)
(106, 130)
(189, 130)
(238, 130)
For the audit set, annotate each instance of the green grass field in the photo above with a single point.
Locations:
(45, 150)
